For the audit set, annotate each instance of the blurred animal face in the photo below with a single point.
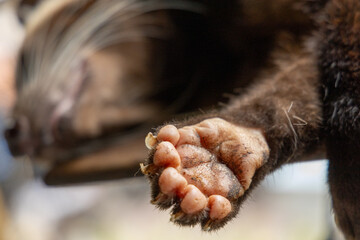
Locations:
(87, 76)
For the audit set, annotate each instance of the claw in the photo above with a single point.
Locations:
(150, 141)
(177, 216)
(148, 169)
(208, 225)
(159, 199)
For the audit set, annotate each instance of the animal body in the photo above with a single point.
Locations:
(339, 57)
(90, 85)
(163, 58)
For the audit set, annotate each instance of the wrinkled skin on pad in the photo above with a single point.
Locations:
(204, 169)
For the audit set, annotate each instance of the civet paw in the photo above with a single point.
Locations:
(203, 169)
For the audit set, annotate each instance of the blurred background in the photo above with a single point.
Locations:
(291, 204)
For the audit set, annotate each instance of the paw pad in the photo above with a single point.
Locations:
(201, 170)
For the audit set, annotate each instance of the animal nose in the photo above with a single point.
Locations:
(18, 137)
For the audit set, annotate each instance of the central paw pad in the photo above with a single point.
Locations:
(202, 170)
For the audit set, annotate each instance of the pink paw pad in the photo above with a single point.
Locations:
(166, 155)
(203, 169)
(194, 201)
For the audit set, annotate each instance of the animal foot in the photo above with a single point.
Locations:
(202, 170)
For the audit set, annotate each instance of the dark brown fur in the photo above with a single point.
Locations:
(339, 61)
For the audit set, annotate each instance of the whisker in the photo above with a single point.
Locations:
(81, 29)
